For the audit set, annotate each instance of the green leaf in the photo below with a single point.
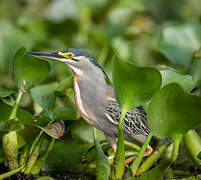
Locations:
(44, 95)
(195, 70)
(65, 84)
(185, 81)
(82, 132)
(28, 68)
(179, 42)
(66, 156)
(199, 155)
(11, 39)
(42, 159)
(102, 165)
(134, 85)
(173, 111)
(150, 161)
(22, 115)
(140, 155)
(55, 130)
(5, 92)
(156, 173)
(32, 158)
(64, 114)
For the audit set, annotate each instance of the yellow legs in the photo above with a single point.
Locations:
(147, 153)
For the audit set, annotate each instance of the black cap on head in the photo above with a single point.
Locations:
(81, 52)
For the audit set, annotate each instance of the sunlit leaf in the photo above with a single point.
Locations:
(185, 81)
(28, 68)
(173, 111)
(55, 130)
(179, 42)
(134, 85)
(44, 95)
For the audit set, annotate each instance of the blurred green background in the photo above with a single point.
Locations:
(160, 33)
(146, 32)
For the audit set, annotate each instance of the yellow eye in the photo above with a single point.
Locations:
(67, 55)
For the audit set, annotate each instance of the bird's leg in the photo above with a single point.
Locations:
(112, 142)
(147, 153)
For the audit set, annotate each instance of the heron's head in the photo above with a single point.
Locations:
(79, 60)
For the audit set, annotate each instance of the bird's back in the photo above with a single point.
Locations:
(135, 123)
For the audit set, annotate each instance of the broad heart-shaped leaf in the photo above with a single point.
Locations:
(28, 68)
(179, 42)
(173, 111)
(44, 95)
(134, 85)
(185, 81)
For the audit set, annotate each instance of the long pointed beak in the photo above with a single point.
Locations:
(50, 55)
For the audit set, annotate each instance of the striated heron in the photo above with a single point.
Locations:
(95, 99)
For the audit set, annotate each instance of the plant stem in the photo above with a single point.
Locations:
(10, 173)
(192, 141)
(50, 147)
(14, 110)
(119, 160)
(32, 159)
(152, 158)
(133, 146)
(176, 139)
(102, 165)
(41, 161)
(140, 155)
(37, 139)
(24, 156)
